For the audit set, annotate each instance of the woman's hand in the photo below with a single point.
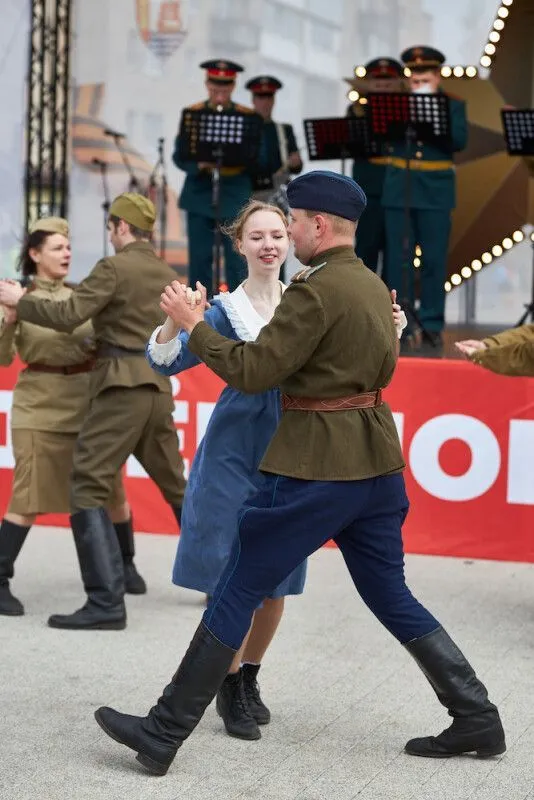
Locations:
(183, 305)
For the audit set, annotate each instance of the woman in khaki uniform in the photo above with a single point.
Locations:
(50, 402)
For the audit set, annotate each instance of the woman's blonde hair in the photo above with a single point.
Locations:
(234, 229)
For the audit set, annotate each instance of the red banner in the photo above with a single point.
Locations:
(468, 439)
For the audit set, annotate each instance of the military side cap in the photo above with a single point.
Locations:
(135, 209)
(221, 71)
(422, 58)
(329, 192)
(384, 68)
(51, 225)
(263, 85)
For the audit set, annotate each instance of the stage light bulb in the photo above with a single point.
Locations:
(497, 250)
(532, 237)
(507, 2)
(458, 72)
(489, 49)
(471, 72)
(360, 72)
(503, 12)
(494, 36)
(487, 258)
(447, 286)
(417, 262)
(507, 243)
(353, 95)
(456, 279)
(418, 251)
(407, 72)
(363, 101)
(518, 236)
(446, 72)
(485, 61)
(466, 272)
(498, 24)
(476, 265)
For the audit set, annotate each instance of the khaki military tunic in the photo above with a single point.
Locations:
(509, 353)
(48, 409)
(299, 352)
(130, 405)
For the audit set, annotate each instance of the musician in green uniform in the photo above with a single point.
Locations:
(197, 198)
(431, 199)
(279, 157)
(130, 405)
(381, 75)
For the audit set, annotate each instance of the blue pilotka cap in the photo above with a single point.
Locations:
(329, 192)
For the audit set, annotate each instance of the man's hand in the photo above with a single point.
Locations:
(183, 305)
(470, 346)
(399, 317)
(8, 316)
(10, 292)
(294, 160)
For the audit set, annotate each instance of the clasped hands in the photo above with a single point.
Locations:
(10, 293)
(183, 305)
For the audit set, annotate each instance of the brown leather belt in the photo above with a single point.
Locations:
(70, 369)
(364, 400)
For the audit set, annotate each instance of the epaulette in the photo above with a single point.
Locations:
(304, 274)
(244, 109)
(197, 106)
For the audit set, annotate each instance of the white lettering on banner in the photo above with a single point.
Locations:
(204, 412)
(520, 486)
(485, 457)
(6, 454)
(399, 422)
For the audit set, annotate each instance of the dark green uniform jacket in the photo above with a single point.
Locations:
(509, 353)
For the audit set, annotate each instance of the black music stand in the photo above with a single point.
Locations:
(518, 128)
(158, 193)
(339, 138)
(106, 203)
(225, 138)
(401, 116)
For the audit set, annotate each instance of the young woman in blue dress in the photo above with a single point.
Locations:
(225, 468)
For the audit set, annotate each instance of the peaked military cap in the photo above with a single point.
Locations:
(384, 68)
(264, 85)
(422, 57)
(329, 192)
(221, 71)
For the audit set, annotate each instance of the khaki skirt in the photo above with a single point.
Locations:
(43, 463)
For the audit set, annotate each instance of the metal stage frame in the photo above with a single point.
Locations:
(48, 116)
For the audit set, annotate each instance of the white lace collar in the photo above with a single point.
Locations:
(244, 318)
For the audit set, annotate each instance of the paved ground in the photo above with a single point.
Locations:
(343, 694)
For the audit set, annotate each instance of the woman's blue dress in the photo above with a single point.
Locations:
(224, 471)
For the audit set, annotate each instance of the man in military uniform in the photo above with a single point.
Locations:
(131, 405)
(279, 156)
(510, 352)
(432, 197)
(196, 197)
(332, 470)
(382, 75)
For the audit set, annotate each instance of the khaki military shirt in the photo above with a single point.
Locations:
(509, 353)
(331, 336)
(44, 401)
(121, 295)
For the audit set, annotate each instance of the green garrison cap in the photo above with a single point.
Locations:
(135, 209)
(51, 225)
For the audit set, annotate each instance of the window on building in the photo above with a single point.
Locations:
(323, 37)
(284, 22)
(331, 10)
(152, 128)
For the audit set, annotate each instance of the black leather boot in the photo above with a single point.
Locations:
(257, 707)
(12, 538)
(232, 706)
(133, 582)
(157, 737)
(102, 574)
(476, 726)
